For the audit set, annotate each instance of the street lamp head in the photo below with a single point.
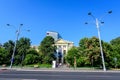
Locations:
(89, 13)
(21, 24)
(28, 30)
(102, 22)
(8, 24)
(109, 12)
(86, 22)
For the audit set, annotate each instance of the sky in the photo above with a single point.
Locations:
(67, 17)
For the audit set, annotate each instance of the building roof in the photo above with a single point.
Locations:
(61, 41)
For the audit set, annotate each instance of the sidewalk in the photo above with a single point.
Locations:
(59, 69)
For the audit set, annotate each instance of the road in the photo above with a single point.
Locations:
(56, 75)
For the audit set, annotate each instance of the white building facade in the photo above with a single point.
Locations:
(62, 48)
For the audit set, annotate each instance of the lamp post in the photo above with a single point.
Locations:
(14, 49)
(97, 23)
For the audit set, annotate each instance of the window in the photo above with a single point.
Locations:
(64, 46)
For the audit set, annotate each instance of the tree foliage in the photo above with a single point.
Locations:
(47, 49)
(88, 53)
(71, 55)
(90, 50)
(9, 47)
(116, 44)
(32, 57)
(4, 56)
(23, 44)
(116, 51)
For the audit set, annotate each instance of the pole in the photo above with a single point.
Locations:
(14, 49)
(97, 22)
(101, 50)
(75, 62)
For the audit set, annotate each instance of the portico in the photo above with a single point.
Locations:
(62, 48)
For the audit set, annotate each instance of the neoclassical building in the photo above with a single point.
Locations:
(62, 48)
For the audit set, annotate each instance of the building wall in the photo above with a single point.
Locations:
(53, 34)
(62, 47)
(35, 47)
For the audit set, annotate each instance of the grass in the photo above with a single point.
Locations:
(39, 65)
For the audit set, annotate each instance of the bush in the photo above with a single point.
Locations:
(45, 65)
(40, 65)
(31, 59)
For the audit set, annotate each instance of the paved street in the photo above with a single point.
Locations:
(57, 75)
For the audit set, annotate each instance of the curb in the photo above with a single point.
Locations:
(59, 70)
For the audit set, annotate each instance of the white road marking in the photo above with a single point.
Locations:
(29, 79)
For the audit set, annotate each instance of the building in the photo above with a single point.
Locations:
(62, 48)
(53, 34)
(35, 47)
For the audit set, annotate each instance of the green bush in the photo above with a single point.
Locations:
(45, 65)
(40, 65)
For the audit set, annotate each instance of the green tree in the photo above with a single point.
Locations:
(4, 56)
(9, 47)
(116, 44)
(116, 51)
(89, 50)
(47, 49)
(108, 54)
(32, 57)
(71, 55)
(23, 44)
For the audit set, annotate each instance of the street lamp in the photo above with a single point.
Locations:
(14, 49)
(97, 23)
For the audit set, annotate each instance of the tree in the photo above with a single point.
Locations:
(108, 54)
(47, 49)
(71, 55)
(9, 47)
(32, 57)
(116, 44)
(116, 51)
(4, 56)
(23, 44)
(89, 50)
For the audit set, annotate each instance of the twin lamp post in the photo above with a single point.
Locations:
(14, 49)
(97, 23)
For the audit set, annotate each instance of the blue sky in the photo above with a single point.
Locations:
(66, 17)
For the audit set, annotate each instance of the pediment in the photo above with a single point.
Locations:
(61, 41)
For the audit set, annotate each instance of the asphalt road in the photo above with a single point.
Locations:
(55, 75)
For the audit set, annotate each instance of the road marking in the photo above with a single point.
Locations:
(29, 79)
